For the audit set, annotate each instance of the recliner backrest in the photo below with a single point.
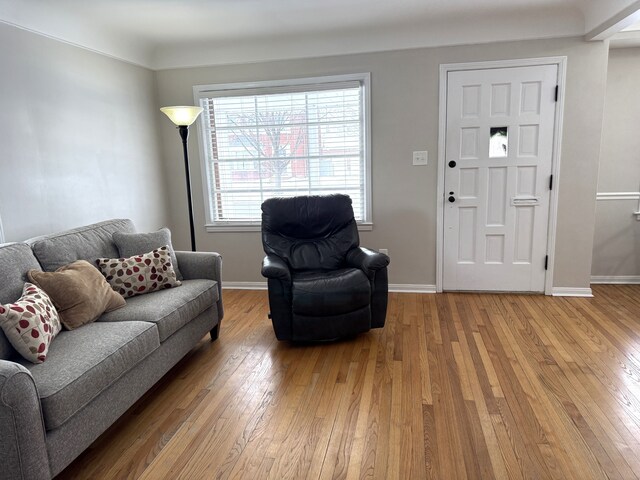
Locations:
(310, 232)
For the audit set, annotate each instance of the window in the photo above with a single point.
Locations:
(286, 138)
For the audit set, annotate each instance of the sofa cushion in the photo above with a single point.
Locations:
(85, 243)
(16, 259)
(130, 244)
(30, 323)
(169, 309)
(320, 294)
(84, 362)
(79, 292)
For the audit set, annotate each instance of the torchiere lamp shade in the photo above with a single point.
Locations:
(182, 115)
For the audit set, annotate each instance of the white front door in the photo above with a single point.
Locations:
(499, 146)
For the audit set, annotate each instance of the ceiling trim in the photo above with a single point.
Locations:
(613, 25)
(359, 42)
(139, 62)
(66, 26)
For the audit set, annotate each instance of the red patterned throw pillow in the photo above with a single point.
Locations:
(141, 273)
(30, 323)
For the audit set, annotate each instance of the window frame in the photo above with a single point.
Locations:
(205, 91)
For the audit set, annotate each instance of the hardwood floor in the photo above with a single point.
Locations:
(455, 386)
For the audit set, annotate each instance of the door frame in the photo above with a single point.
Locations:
(561, 62)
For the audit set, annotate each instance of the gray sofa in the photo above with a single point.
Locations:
(51, 412)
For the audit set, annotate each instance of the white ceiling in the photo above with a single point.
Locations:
(634, 27)
(175, 33)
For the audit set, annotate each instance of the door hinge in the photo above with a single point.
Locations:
(550, 182)
(546, 262)
(556, 94)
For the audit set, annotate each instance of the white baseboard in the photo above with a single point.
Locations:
(394, 287)
(411, 288)
(616, 279)
(244, 285)
(571, 292)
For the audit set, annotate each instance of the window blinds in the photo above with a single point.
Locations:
(283, 141)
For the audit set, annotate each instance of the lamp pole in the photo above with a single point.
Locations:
(184, 116)
(184, 134)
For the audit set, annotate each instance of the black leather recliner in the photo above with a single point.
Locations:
(322, 284)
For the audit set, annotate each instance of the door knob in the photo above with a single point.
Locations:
(452, 163)
(452, 198)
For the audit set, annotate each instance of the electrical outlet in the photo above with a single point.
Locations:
(383, 250)
(420, 158)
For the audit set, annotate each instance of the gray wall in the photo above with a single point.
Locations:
(616, 249)
(78, 138)
(79, 135)
(405, 118)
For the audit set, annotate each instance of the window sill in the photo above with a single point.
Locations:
(362, 227)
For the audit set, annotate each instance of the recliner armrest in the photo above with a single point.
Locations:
(275, 267)
(367, 260)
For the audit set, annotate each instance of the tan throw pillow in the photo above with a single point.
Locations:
(140, 274)
(79, 292)
(30, 323)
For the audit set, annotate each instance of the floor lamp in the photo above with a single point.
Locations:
(183, 117)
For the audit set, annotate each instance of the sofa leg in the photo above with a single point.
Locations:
(215, 331)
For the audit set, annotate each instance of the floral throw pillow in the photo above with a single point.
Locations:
(140, 273)
(30, 323)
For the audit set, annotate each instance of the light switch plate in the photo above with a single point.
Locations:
(420, 158)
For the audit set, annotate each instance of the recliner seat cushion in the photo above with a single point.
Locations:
(329, 293)
(82, 363)
(169, 309)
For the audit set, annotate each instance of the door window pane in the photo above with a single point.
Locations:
(498, 142)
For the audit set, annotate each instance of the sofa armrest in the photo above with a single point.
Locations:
(367, 260)
(208, 265)
(275, 267)
(22, 434)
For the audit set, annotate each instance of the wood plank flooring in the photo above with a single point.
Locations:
(456, 386)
